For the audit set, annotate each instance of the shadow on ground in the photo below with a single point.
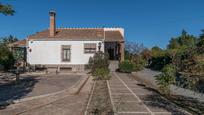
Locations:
(191, 104)
(12, 91)
(156, 101)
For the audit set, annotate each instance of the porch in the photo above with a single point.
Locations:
(115, 50)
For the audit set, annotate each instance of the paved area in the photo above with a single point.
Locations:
(131, 98)
(113, 66)
(60, 104)
(53, 83)
(37, 85)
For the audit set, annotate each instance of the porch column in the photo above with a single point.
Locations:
(122, 51)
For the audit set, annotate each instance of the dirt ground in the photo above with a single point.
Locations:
(100, 102)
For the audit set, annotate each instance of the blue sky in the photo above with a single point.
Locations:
(151, 22)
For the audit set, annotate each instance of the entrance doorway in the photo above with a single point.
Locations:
(112, 48)
(111, 53)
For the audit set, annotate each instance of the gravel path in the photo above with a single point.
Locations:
(147, 76)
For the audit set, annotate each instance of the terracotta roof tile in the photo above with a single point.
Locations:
(113, 36)
(79, 34)
(71, 33)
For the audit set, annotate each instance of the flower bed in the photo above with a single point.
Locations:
(100, 103)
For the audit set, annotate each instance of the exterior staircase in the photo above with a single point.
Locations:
(113, 66)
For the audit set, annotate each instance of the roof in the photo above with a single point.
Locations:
(113, 36)
(20, 43)
(78, 34)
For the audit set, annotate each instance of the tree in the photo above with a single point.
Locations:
(146, 54)
(202, 34)
(6, 9)
(133, 54)
(134, 48)
(156, 51)
(8, 40)
(200, 43)
(159, 58)
(6, 56)
(173, 44)
(185, 40)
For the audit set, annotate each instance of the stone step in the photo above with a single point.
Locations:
(113, 66)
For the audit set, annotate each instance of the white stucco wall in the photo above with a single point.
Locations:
(49, 52)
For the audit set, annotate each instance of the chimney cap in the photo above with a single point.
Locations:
(52, 13)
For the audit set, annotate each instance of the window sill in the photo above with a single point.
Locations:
(65, 60)
(90, 53)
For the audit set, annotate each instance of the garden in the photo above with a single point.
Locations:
(181, 64)
(100, 103)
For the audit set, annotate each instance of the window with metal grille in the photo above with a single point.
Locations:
(66, 53)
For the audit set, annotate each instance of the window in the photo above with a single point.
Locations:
(89, 48)
(66, 53)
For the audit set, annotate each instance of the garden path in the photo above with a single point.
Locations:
(128, 96)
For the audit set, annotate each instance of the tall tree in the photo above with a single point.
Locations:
(134, 48)
(173, 44)
(8, 40)
(6, 9)
(6, 56)
(202, 34)
(156, 51)
(200, 43)
(146, 54)
(185, 40)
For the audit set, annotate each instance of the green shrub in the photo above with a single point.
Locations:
(126, 66)
(101, 74)
(138, 62)
(99, 60)
(169, 70)
(99, 66)
(157, 63)
(166, 78)
(138, 67)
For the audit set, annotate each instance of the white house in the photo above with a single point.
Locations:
(72, 47)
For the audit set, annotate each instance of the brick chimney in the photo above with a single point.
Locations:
(52, 23)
